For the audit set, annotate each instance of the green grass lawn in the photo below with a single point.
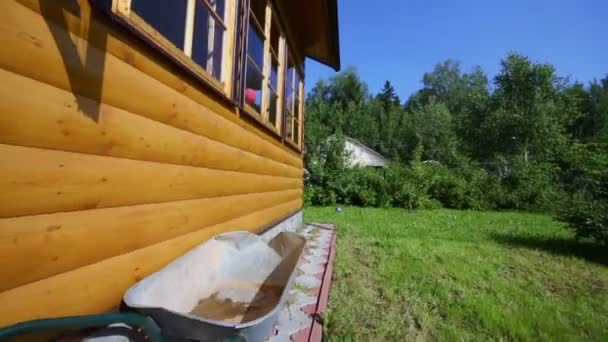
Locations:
(462, 275)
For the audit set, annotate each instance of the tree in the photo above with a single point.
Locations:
(432, 127)
(530, 109)
(592, 124)
(388, 96)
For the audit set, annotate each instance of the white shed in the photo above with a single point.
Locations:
(361, 155)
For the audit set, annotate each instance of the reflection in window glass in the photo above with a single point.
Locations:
(272, 91)
(272, 106)
(253, 86)
(200, 45)
(208, 41)
(289, 78)
(258, 8)
(296, 134)
(296, 83)
(168, 17)
(289, 126)
(296, 129)
(220, 7)
(218, 47)
(255, 56)
(255, 47)
(288, 100)
(274, 38)
(274, 73)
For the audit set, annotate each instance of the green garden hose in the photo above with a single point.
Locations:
(138, 322)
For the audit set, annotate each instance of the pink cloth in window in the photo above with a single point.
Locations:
(250, 96)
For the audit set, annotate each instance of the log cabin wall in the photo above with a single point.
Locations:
(113, 162)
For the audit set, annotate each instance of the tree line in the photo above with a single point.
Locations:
(528, 139)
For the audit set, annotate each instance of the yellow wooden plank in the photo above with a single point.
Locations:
(48, 117)
(99, 287)
(43, 50)
(36, 247)
(40, 181)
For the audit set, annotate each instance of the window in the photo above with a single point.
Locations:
(194, 32)
(264, 66)
(218, 42)
(208, 36)
(273, 83)
(256, 42)
(292, 111)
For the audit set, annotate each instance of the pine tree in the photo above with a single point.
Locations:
(388, 96)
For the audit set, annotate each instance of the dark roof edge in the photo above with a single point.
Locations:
(333, 15)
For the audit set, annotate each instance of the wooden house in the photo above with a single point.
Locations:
(133, 130)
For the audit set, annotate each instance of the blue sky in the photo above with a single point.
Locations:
(399, 40)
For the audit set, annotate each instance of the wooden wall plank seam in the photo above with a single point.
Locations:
(41, 181)
(36, 45)
(46, 245)
(50, 117)
(100, 286)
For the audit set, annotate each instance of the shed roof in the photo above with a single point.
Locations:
(382, 161)
(314, 27)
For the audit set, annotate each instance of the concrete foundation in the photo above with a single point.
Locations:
(290, 224)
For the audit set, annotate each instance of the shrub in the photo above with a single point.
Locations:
(585, 175)
(408, 187)
(586, 216)
(368, 188)
(531, 185)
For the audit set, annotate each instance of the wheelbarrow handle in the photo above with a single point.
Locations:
(134, 320)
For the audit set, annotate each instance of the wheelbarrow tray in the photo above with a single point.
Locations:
(230, 286)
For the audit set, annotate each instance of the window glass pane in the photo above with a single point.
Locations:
(200, 44)
(208, 41)
(288, 100)
(296, 133)
(218, 48)
(289, 126)
(219, 6)
(274, 73)
(296, 84)
(253, 86)
(274, 37)
(296, 108)
(289, 94)
(272, 106)
(255, 47)
(166, 16)
(258, 7)
(289, 76)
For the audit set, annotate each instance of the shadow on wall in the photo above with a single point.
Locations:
(83, 65)
(587, 250)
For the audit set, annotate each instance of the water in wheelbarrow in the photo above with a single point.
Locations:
(239, 304)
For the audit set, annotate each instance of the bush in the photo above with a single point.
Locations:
(587, 217)
(585, 175)
(368, 188)
(408, 187)
(531, 185)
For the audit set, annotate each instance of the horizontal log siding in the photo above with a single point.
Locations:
(113, 164)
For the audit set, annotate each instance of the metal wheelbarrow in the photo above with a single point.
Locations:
(229, 288)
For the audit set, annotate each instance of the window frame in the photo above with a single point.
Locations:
(265, 32)
(297, 120)
(270, 19)
(237, 16)
(122, 10)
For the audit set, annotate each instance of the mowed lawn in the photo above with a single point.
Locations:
(462, 275)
